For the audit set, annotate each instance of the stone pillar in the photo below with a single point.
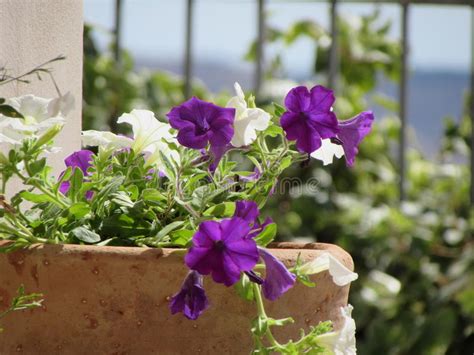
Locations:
(33, 32)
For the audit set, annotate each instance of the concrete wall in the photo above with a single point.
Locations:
(32, 32)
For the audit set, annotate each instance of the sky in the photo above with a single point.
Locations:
(439, 35)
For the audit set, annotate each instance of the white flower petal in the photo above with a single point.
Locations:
(259, 119)
(8, 140)
(247, 120)
(340, 274)
(105, 140)
(342, 342)
(61, 105)
(328, 151)
(147, 130)
(239, 91)
(31, 107)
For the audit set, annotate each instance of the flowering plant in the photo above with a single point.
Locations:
(183, 182)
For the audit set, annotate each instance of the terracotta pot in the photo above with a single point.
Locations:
(114, 300)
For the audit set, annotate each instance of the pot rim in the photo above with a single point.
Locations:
(83, 249)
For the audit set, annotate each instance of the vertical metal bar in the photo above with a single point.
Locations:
(260, 44)
(334, 49)
(188, 59)
(403, 100)
(472, 105)
(118, 30)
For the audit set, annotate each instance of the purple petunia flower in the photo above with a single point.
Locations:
(223, 250)
(191, 299)
(278, 279)
(81, 159)
(309, 118)
(247, 210)
(351, 133)
(201, 123)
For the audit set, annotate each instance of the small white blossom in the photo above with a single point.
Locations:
(247, 120)
(39, 116)
(328, 151)
(150, 136)
(341, 275)
(343, 341)
(106, 141)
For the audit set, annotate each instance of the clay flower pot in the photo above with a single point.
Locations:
(114, 300)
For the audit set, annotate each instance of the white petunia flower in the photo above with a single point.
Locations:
(341, 275)
(247, 120)
(341, 342)
(150, 136)
(107, 141)
(328, 151)
(39, 116)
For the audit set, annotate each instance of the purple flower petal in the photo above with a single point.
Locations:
(247, 210)
(80, 159)
(222, 250)
(252, 177)
(189, 138)
(278, 279)
(298, 99)
(64, 188)
(351, 133)
(322, 98)
(191, 300)
(200, 123)
(308, 118)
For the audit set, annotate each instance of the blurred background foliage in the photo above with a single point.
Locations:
(415, 294)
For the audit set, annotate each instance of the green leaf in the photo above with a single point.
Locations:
(153, 197)
(278, 110)
(244, 288)
(36, 198)
(169, 167)
(121, 198)
(199, 196)
(181, 237)
(267, 235)
(37, 166)
(274, 131)
(259, 326)
(280, 322)
(9, 111)
(108, 189)
(76, 183)
(79, 209)
(224, 209)
(85, 235)
(285, 163)
(170, 227)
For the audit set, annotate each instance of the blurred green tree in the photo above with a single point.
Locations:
(415, 294)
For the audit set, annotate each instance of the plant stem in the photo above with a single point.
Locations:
(39, 186)
(261, 313)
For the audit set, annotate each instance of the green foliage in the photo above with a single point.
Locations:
(415, 259)
(22, 301)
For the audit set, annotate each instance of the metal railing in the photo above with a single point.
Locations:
(334, 60)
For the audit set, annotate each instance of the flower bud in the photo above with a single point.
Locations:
(48, 136)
